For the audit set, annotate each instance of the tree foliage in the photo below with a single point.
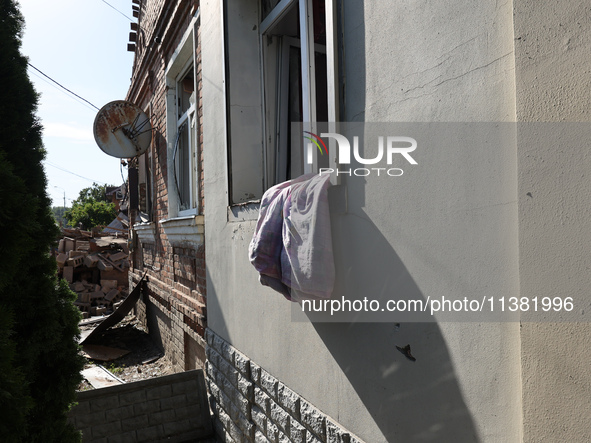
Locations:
(39, 360)
(94, 193)
(58, 215)
(91, 208)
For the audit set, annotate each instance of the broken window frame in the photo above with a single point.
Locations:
(275, 49)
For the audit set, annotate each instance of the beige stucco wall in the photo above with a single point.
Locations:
(553, 40)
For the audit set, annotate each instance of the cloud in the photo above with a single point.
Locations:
(63, 130)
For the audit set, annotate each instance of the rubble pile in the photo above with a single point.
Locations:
(96, 266)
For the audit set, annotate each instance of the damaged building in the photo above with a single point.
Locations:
(469, 217)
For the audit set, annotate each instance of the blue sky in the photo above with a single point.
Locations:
(82, 44)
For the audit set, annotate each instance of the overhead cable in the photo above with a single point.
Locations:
(61, 86)
(43, 79)
(107, 3)
(73, 173)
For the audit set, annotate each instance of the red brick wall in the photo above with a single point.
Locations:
(174, 304)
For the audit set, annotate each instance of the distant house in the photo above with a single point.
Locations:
(486, 212)
(115, 194)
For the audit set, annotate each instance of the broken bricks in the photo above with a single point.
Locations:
(98, 295)
(68, 273)
(107, 285)
(87, 258)
(90, 261)
(104, 266)
(78, 286)
(61, 259)
(110, 296)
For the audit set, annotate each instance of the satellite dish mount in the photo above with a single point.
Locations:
(121, 129)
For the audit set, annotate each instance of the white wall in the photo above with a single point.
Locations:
(439, 231)
(553, 85)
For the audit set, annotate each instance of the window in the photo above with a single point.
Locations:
(184, 148)
(181, 128)
(281, 74)
(297, 75)
(145, 190)
(145, 186)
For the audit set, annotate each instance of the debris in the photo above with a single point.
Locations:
(151, 359)
(120, 224)
(110, 262)
(104, 266)
(118, 256)
(121, 311)
(61, 259)
(99, 377)
(68, 273)
(107, 285)
(144, 352)
(88, 261)
(109, 296)
(103, 353)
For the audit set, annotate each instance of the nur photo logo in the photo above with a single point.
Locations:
(389, 147)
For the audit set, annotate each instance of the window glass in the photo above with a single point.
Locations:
(284, 91)
(267, 6)
(184, 91)
(183, 154)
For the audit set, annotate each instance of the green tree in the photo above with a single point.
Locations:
(58, 214)
(94, 193)
(91, 208)
(39, 359)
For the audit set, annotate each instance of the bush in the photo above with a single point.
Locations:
(39, 360)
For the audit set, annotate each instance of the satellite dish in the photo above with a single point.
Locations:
(121, 129)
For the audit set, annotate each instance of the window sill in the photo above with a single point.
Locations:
(145, 231)
(244, 212)
(187, 229)
(186, 213)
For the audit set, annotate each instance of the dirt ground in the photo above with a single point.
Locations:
(145, 360)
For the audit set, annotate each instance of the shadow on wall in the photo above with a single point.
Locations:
(411, 394)
(408, 400)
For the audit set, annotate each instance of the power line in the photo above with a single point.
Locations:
(61, 86)
(73, 173)
(128, 18)
(44, 80)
